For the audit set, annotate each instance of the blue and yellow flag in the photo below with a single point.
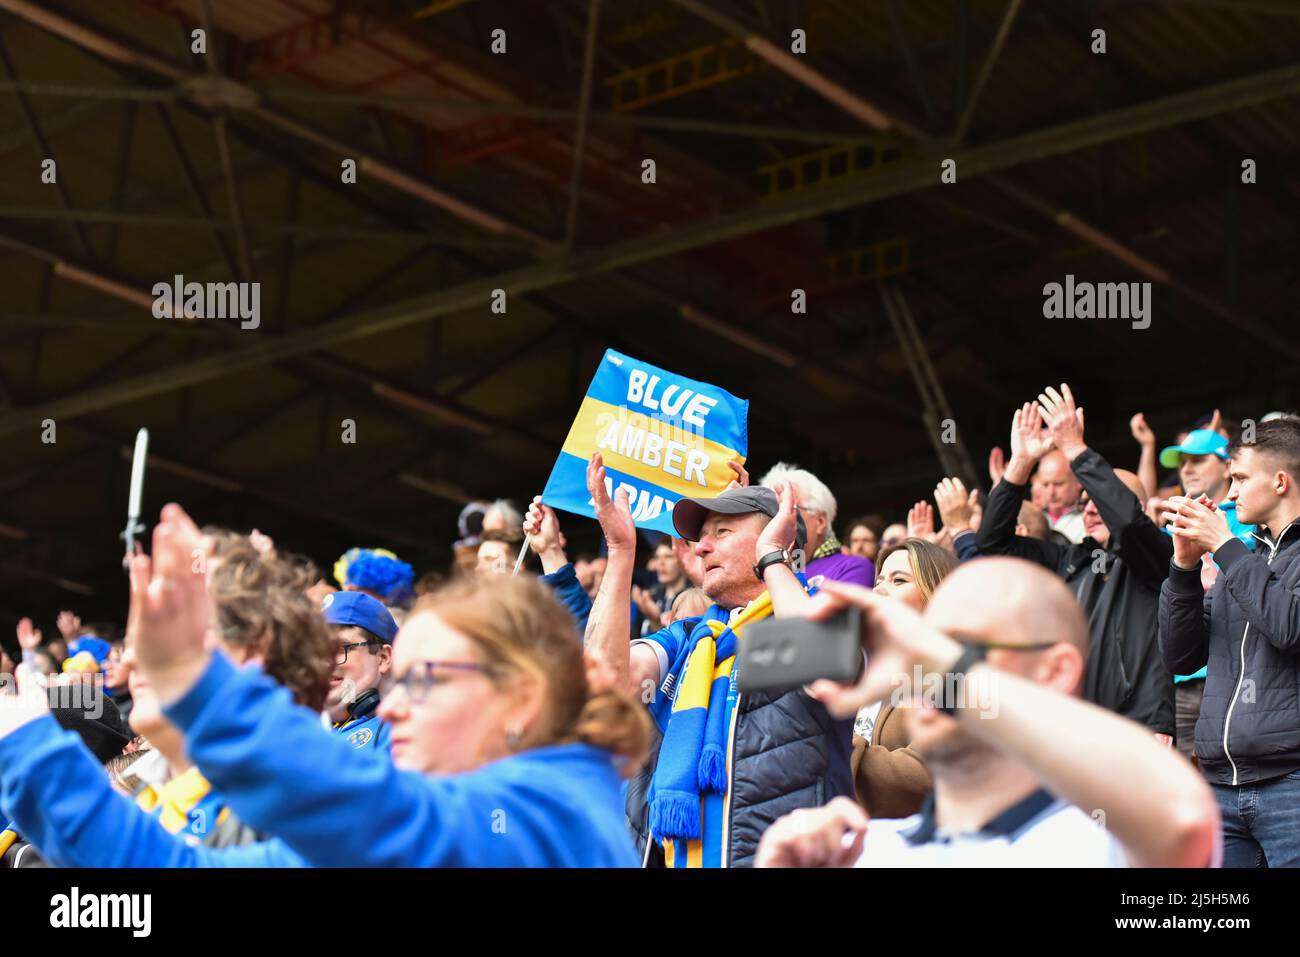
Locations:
(662, 436)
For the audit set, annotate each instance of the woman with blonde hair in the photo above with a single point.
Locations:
(501, 756)
(890, 779)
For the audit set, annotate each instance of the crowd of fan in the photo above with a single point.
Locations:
(1119, 653)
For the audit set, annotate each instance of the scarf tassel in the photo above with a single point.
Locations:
(676, 813)
(713, 770)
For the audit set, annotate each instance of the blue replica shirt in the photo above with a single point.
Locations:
(672, 646)
(59, 798)
(369, 731)
(338, 806)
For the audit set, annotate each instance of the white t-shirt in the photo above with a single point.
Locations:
(1070, 524)
(1039, 831)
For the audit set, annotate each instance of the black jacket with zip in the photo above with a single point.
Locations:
(1118, 587)
(1247, 629)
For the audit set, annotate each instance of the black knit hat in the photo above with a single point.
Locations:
(76, 708)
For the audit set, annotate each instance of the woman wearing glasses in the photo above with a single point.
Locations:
(499, 755)
(55, 791)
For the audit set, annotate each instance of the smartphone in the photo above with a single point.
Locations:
(789, 652)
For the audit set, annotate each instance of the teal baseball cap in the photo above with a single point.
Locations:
(1198, 442)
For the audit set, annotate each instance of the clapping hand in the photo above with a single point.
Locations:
(1064, 420)
(1198, 527)
(780, 533)
(920, 521)
(170, 606)
(1029, 442)
(614, 515)
(956, 505)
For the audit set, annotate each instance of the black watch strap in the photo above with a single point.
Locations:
(956, 677)
(778, 557)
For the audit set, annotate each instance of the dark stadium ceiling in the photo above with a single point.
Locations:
(479, 170)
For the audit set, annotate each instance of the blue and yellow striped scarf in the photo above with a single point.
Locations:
(186, 806)
(693, 755)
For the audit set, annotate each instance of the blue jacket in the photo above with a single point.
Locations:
(59, 798)
(337, 806)
(967, 546)
(570, 593)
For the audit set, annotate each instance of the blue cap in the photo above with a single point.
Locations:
(1198, 442)
(358, 608)
(98, 647)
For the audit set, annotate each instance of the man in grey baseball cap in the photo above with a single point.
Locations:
(691, 514)
(769, 752)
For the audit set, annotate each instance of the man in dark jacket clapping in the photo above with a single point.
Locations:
(1115, 572)
(1247, 629)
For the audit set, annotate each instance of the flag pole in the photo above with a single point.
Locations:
(523, 550)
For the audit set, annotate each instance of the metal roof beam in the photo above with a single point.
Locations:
(474, 295)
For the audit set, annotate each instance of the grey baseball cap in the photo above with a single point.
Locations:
(689, 513)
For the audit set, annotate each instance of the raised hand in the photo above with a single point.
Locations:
(170, 607)
(920, 521)
(780, 532)
(742, 477)
(542, 527)
(1029, 442)
(615, 516)
(1216, 423)
(1142, 432)
(997, 464)
(1064, 420)
(955, 505)
(29, 638)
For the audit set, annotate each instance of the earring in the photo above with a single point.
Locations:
(514, 734)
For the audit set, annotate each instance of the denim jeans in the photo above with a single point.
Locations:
(1261, 822)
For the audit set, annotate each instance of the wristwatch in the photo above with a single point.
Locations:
(779, 557)
(956, 677)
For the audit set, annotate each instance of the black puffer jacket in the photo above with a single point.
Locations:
(787, 753)
(1118, 587)
(1248, 631)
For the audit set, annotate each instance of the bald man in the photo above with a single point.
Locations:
(1061, 494)
(1025, 774)
(1115, 571)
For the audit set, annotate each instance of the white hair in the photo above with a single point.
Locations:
(813, 493)
(506, 509)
